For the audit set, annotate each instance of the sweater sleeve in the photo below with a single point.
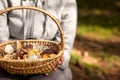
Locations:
(68, 23)
(4, 30)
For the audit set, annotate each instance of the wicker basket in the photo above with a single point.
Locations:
(36, 66)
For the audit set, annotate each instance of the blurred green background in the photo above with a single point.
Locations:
(96, 52)
(99, 17)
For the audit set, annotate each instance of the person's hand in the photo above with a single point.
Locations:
(60, 61)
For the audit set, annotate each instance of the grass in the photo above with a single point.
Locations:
(98, 26)
(94, 31)
(107, 68)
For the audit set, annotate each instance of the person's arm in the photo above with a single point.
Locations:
(4, 30)
(68, 23)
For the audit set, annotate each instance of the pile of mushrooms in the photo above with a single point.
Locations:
(29, 51)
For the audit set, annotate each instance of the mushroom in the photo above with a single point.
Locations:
(9, 49)
(18, 45)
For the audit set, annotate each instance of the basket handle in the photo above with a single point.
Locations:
(39, 10)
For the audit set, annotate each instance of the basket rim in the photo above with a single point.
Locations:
(32, 60)
(60, 52)
(10, 41)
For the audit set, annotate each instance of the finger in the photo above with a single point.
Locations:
(60, 62)
(54, 69)
(65, 48)
(62, 58)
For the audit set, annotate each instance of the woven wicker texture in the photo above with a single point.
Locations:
(35, 66)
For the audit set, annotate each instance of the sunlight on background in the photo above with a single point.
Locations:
(96, 52)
